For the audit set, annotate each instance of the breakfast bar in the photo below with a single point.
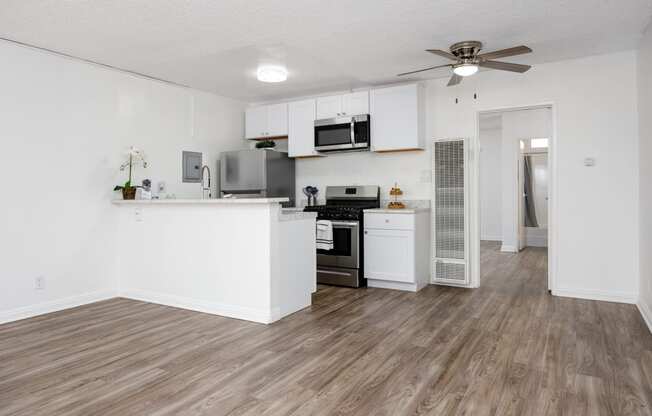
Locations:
(240, 258)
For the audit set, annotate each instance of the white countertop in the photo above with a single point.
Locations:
(396, 211)
(214, 201)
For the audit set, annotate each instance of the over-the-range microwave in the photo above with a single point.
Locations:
(343, 133)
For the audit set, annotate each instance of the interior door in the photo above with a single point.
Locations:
(522, 237)
(450, 213)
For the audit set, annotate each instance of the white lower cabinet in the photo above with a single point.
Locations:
(389, 254)
(396, 249)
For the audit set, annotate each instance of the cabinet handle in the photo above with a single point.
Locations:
(366, 232)
(387, 221)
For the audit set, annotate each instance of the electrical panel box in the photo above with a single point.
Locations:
(191, 167)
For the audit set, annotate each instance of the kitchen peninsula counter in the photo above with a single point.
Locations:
(241, 258)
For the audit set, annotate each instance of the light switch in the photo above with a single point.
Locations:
(589, 161)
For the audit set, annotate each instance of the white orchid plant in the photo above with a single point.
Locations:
(134, 157)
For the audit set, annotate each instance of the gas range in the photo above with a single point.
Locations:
(343, 265)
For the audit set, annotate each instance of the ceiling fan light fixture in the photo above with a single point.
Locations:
(271, 73)
(465, 70)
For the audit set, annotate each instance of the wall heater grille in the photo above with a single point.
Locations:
(449, 212)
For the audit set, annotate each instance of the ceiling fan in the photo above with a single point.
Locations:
(468, 58)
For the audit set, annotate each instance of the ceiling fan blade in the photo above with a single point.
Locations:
(443, 53)
(505, 66)
(516, 50)
(425, 69)
(455, 79)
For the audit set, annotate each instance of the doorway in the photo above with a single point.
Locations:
(513, 181)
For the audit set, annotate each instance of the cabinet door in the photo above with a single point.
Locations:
(255, 122)
(301, 128)
(277, 120)
(397, 118)
(389, 255)
(329, 107)
(355, 103)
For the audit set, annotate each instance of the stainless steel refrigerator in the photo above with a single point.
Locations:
(257, 173)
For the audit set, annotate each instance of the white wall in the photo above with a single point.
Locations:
(64, 125)
(596, 116)
(645, 173)
(411, 170)
(491, 183)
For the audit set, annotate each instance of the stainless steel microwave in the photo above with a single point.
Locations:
(343, 133)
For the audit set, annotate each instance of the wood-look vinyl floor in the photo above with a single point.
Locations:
(508, 348)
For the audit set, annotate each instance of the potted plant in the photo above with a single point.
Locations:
(266, 144)
(134, 157)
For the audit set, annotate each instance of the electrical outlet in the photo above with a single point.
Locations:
(39, 283)
(138, 214)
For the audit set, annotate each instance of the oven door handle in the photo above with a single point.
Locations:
(345, 224)
(333, 272)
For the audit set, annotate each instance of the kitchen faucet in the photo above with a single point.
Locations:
(208, 187)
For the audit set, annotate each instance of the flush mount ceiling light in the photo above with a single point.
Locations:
(465, 70)
(271, 73)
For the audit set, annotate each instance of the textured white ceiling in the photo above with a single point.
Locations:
(216, 45)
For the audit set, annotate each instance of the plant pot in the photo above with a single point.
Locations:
(129, 193)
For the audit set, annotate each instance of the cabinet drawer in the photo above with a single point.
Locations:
(389, 221)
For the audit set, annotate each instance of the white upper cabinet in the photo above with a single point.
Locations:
(355, 103)
(255, 122)
(266, 121)
(343, 105)
(329, 107)
(301, 128)
(277, 120)
(397, 118)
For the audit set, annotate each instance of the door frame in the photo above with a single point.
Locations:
(474, 201)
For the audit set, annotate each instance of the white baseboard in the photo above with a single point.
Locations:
(384, 284)
(263, 316)
(54, 306)
(491, 238)
(537, 241)
(508, 249)
(646, 312)
(619, 297)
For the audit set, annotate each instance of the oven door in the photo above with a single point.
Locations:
(342, 133)
(346, 246)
